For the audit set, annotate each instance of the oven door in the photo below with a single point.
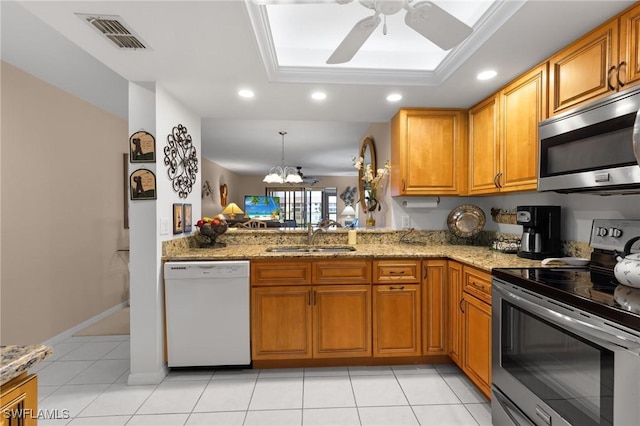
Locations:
(553, 365)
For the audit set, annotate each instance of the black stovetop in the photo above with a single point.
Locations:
(593, 292)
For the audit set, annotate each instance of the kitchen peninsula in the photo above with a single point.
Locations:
(399, 298)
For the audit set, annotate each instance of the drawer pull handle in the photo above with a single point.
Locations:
(460, 306)
(478, 286)
(396, 288)
(397, 272)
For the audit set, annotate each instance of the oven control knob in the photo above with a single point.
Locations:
(601, 232)
(615, 232)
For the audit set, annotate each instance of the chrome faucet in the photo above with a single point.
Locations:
(311, 234)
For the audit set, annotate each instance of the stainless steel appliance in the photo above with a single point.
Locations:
(565, 346)
(591, 149)
(540, 231)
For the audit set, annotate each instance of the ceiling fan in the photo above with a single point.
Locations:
(426, 18)
(307, 179)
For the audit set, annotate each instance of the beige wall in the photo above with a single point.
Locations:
(62, 204)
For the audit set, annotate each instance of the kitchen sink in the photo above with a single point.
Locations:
(310, 249)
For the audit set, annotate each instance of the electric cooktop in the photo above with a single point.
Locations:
(593, 288)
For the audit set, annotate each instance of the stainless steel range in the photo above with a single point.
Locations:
(566, 341)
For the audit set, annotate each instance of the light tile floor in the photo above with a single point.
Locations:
(87, 377)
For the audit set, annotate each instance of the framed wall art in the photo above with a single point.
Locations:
(186, 215)
(178, 219)
(142, 185)
(142, 147)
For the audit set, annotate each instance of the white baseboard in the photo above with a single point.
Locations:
(154, 378)
(73, 330)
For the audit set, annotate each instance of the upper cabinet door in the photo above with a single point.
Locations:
(484, 150)
(629, 70)
(585, 70)
(428, 152)
(523, 105)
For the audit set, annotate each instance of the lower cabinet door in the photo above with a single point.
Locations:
(281, 322)
(341, 321)
(456, 323)
(396, 320)
(477, 342)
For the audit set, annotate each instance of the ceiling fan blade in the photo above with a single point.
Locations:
(354, 40)
(437, 25)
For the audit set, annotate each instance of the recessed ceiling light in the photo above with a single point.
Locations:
(394, 97)
(486, 75)
(246, 93)
(319, 96)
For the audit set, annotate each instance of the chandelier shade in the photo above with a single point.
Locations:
(282, 173)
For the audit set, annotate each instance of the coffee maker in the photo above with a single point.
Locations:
(540, 231)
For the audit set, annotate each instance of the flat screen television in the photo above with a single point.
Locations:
(262, 207)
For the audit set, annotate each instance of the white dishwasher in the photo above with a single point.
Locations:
(207, 311)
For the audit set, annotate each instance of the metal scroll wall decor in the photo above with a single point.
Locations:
(181, 160)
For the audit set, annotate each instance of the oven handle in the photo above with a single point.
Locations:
(595, 333)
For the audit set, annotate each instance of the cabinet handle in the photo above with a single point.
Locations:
(396, 288)
(478, 286)
(496, 180)
(309, 298)
(396, 272)
(460, 305)
(620, 83)
(404, 185)
(424, 277)
(609, 73)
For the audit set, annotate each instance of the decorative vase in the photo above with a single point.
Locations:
(370, 221)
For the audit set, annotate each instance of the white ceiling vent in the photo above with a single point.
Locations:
(114, 28)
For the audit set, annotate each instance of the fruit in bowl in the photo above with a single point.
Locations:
(212, 228)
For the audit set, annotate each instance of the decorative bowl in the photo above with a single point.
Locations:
(212, 232)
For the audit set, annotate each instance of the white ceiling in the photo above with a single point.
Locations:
(204, 51)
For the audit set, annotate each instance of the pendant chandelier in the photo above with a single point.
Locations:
(282, 173)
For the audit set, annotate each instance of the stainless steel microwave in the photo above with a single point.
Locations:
(593, 149)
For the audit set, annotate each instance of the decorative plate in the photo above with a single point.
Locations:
(466, 221)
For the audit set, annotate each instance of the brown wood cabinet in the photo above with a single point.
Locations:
(476, 334)
(477, 342)
(428, 152)
(329, 318)
(341, 321)
(396, 320)
(397, 307)
(470, 317)
(19, 401)
(434, 307)
(503, 136)
(281, 322)
(455, 314)
(602, 62)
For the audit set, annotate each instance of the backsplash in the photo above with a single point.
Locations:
(364, 236)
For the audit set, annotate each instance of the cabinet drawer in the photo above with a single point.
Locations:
(341, 272)
(280, 272)
(477, 283)
(393, 271)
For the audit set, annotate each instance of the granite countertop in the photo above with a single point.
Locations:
(15, 360)
(479, 257)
